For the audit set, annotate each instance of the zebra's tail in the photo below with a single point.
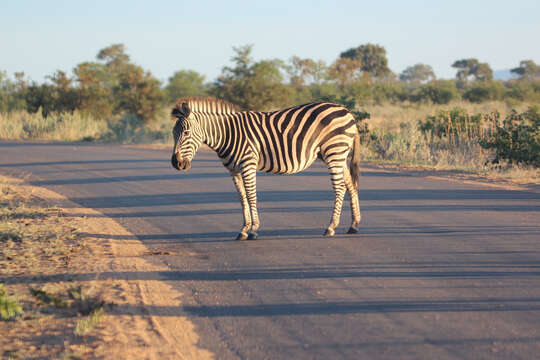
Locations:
(355, 161)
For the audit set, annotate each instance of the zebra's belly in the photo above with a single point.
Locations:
(290, 169)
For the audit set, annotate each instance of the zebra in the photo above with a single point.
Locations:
(281, 142)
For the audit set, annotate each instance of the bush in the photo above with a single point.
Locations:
(523, 90)
(517, 139)
(436, 92)
(392, 92)
(484, 91)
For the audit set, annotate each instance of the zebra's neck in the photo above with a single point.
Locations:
(214, 127)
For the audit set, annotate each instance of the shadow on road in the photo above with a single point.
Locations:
(304, 195)
(362, 307)
(411, 270)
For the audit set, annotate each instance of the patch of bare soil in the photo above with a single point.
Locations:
(84, 293)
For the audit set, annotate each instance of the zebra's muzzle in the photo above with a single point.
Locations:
(180, 164)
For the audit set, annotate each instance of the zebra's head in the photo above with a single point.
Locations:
(187, 136)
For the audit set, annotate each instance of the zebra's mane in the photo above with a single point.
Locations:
(207, 105)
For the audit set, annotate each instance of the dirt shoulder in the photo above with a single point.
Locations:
(84, 292)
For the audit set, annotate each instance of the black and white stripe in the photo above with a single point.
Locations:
(280, 142)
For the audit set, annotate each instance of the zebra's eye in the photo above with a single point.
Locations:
(187, 132)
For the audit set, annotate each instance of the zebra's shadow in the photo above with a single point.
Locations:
(215, 237)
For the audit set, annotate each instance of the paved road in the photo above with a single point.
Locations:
(440, 270)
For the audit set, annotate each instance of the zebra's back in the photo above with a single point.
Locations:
(289, 140)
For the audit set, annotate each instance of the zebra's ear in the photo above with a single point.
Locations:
(186, 110)
(177, 113)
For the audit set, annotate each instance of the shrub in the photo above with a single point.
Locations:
(436, 92)
(517, 139)
(484, 91)
(523, 90)
(392, 92)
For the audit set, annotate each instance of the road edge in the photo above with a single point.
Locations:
(144, 322)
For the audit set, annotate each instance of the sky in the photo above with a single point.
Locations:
(40, 37)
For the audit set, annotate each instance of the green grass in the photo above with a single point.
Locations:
(9, 306)
(88, 324)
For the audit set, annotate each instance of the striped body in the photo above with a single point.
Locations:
(280, 142)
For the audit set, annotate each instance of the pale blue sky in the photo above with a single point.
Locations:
(41, 36)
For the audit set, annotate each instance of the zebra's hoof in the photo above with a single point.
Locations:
(253, 236)
(329, 232)
(242, 236)
(352, 230)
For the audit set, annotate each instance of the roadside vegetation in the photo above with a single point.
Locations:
(470, 123)
(44, 311)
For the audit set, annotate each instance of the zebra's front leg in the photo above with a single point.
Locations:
(338, 183)
(249, 172)
(239, 184)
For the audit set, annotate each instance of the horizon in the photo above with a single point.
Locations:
(40, 38)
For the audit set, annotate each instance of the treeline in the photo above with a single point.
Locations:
(113, 84)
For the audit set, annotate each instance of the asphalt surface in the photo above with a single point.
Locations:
(439, 270)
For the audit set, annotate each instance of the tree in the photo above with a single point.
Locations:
(371, 58)
(252, 85)
(346, 71)
(527, 70)
(39, 97)
(306, 71)
(12, 94)
(138, 93)
(266, 88)
(131, 89)
(472, 68)
(114, 56)
(95, 88)
(483, 72)
(65, 97)
(417, 74)
(185, 83)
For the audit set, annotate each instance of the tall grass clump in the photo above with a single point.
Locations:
(80, 126)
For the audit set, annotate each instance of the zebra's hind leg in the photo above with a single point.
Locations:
(338, 183)
(355, 205)
(239, 184)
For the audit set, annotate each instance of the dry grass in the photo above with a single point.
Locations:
(21, 125)
(46, 305)
(76, 126)
(62, 317)
(400, 141)
(388, 117)
(32, 234)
